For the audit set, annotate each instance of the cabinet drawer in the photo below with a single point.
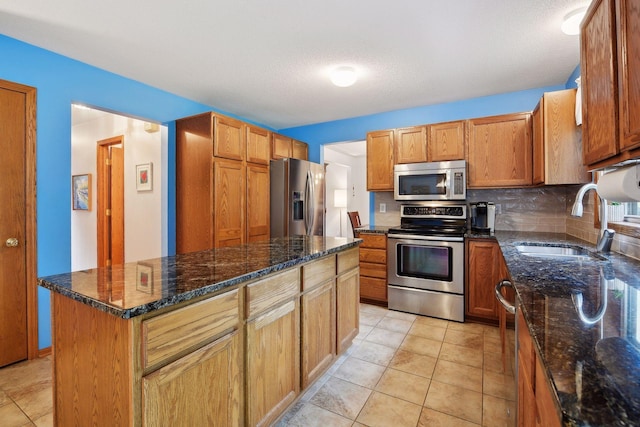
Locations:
(373, 255)
(372, 288)
(318, 271)
(171, 333)
(370, 240)
(265, 294)
(348, 260)
(373, 270)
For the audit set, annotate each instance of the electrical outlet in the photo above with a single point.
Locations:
(383, 207)
(498, 208)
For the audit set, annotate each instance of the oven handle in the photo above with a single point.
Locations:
(428, 238)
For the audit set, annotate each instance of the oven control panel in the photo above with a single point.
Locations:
(414, 211)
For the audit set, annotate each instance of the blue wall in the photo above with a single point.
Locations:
(61, 81)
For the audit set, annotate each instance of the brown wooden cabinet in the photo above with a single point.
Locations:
(557, 141)
(446, 141)
(380, 160)
(609, 63)
(347, 299)
(373, 268)
(410, 145)
(499, 151)
(222, 182)
(485, 268)
(536, 406)
(284, 147)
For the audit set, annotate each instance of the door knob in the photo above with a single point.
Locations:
(11, 242)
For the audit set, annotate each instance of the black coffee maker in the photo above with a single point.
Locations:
(483, 217)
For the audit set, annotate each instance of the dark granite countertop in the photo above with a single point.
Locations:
(136, 288)
(583, 316)
(376, 229)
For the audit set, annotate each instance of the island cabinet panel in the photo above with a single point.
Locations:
(200, 389)
(229, 202)
(258, 209)
(446, 141)
(347, 308)
(228, 141)
(273, 290)
(318, 271)
(273, 363)
(380, 160)
(258, 145)
(93, 365)
(410, 145)
(167, 335)
(317, 331)
(499, 151)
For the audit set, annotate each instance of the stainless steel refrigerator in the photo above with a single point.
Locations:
(297, 198)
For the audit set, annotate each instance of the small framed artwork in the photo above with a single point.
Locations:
(144, 278)
(81, 192)
(144, 177)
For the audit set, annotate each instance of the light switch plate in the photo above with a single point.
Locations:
(383, 207)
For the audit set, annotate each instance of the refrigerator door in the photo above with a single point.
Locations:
(298, 209)
(316, 200)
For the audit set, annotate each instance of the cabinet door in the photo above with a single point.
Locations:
(299, 150)
(446, 141)
(526, 397)
(258, 145)
(499, 151)
(628, 14)
(483, 274)
(228, 140)
(211, 374)
(546, 414)
(380, 161)
(347, 308)
(538, 144)
(257, 203)
(411, 145)
(599, 83)
(281, 146)
(229, 202)
(318, 332)
(273, 363)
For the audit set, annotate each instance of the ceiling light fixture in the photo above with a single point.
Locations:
(343, 76)
(571, 23)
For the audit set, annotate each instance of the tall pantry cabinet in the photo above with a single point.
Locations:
(222, 182)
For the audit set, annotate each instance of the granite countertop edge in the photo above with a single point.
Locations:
(47, 283)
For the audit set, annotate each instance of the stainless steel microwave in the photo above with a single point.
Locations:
(430, 181)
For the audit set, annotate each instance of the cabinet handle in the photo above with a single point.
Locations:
(506, 304)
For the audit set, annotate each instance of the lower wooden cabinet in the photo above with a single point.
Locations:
(485, 268)
(373, 267)
(347, 309)
(535, 399)
(318, 322)
(171, 395)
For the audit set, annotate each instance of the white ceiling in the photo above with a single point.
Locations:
(268, 61)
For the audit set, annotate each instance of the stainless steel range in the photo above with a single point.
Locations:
(425, 266)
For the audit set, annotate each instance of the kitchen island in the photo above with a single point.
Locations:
(583, 317)
(227, 336)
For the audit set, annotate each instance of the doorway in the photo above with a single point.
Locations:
(110, 169)
(18, 268)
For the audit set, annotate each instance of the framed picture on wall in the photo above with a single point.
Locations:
(144, 278)
(81, 192)
(144, 177)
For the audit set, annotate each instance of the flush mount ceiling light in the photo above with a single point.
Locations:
(343, 76)
(571, 23)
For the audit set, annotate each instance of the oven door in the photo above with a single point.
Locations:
(426, 262)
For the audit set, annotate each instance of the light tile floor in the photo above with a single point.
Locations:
(402, 370)
(408, 370)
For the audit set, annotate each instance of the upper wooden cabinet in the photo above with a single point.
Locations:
(610, 64)
(258, 208)
(499, 151)
(446, 141)
(229, 180)
(557, 141)
(258, 145)
(410, 145)
(284, 147)
(228, 141)
(380, 160)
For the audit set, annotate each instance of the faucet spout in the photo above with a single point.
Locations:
(605, 237)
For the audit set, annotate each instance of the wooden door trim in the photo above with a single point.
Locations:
(101, 197)
(31, 252)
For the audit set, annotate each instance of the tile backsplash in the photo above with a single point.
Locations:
(543, 209)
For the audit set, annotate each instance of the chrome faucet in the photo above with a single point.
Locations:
(605, 237)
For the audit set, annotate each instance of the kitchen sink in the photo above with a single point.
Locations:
(557, 251)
